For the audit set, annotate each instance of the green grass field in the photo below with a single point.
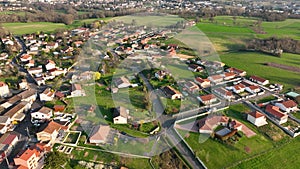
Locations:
(33, 27)
(151, 20)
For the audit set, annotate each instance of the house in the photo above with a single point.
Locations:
(25, 58)
(257, 118)
(59, 108)
(207, 125)
(4, 90)
(35, 70)
(50, 65)
(52, 45)
(5, 124)
(279, 116)
(122, 82)
(287, 106)
(160, 74)
(207, 99)
(57, 72)
(252, 89)
(224, 93)
(172, 93)
(49, 132)
(229, 75)
(99, 134)
(40, 81)
(204, 83)
(11, 101)
(23, 84)
(78, 43)
(17, 112)
(192, 87)
(239, 88)
(47, 95)
(237, 71)
(43, 113)
(7, 142)
(120, 115)
(77, 91)
(28, 95)
(259, 80)
(59, 95)
(215, 78)
(195, 68)
(3, 56)
(32, 158)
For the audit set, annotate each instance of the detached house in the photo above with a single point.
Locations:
(216, 78)
(99, 134)
(224, 93)
(191, 87)
(160, 74)
(4, 90)
(252, 89)
(25, 58)
(287, 106)
(47, 95)
(7, 142)
(207, 99)
(239, 88)
(207, 125)
(229, 75)
(5, 124)
(49, 132)
(237, 71)
(122, 82)
(77, 91)
(259, 80)
(195, 68)
(204, 83)
(172, 93)
(31, 158)
(257, 118)
(50, 65)
(52, 45)
(279, 116)
(120, 115)
(43, 113)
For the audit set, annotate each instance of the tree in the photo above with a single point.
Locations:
(55, 160)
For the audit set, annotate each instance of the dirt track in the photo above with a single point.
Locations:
(285, 67)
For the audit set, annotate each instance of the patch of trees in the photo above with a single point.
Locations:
(274, 46)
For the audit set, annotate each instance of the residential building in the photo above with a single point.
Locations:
(49, 132)
(7, 142)
(99, 134)
(11, 101)
(4, 90)
(224, 93)
(207, 99)
(204, 83)
(23, 84)
(17, 112)
(257, 118)
(207, 125)
(195, 68)
(172, 93)
(278, 115)
(216, 78)
(122, 82)
(25, 58)
(160, 74)
(42, 114)
(192, 87)
(5, 124)
(287, 106)
(31, 158)
(28, 95)
(35, 70)
(239, 88)
(259, 80)
(237, 71)
(50, 65)
(120, 115)
(229, 75)
(252, 89)
(77, 91)
(47, 95)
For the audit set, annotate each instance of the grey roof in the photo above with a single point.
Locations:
(3, 119)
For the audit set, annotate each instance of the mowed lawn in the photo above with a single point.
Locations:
(253, 63)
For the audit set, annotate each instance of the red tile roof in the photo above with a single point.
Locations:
(256, 114)
(289, 104)
(207, 97)
(274, 110)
